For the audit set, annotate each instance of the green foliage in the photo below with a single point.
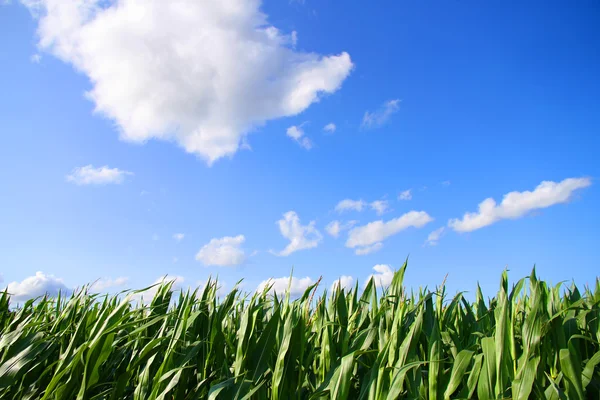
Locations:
(532, 341)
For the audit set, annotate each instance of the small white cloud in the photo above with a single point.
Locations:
(216, 70)
(280, 285)
(377, 231)
(378, 118)
(297, 133)
(89, 175)
(108, 283)
(380, 206)
(175, 260)
(330, 127)
(178, 236)
(405, 195)
(345, 282)
(36, 58)
(348, 204)
(363, 251)
(35, 286)
(335, 227)
(517, 204)
(301, 237)
(155, 237)
(435, 236)
(383, 276)
(446, 183)
(223, 252)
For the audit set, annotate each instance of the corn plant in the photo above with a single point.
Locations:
(531, 341)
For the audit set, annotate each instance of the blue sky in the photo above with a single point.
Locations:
(211, 124)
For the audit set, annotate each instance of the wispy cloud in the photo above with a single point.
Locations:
(335, 227)
(349, 204)
(435, 236)
(297, 134)
(301, 237)
(178, 236)
(330, 127)
(375, 232)
(379, 117)
(405, 195)
(517, 204)
(107, 283)
(380, 206)
(88, 175)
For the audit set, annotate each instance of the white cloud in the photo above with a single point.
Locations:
(300, 236)
(280, 285)
(517, 204)
(363, 251)
(378, 118)
(297, 133)
(335, 227)
(446, 183)
(383, 276)
(223, 252)
(178, 236)
(107, 283)
(88, 175)
(202, 74)
(36, 286)
(330, 127)
(405, 195)
(344, 282)
(348, 204)
(35, 58)
(380, 206)
(377, 231)
(435, 236)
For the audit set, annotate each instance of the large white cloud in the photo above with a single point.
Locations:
(200, 73)
(223, 252)
(89, 175)
(376, 231)
(517, 204)
(280, 285)
(38, 285)
(301, 237)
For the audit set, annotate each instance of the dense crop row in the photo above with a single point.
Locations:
(530, 341)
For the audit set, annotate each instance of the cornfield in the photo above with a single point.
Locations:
(532, 341)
